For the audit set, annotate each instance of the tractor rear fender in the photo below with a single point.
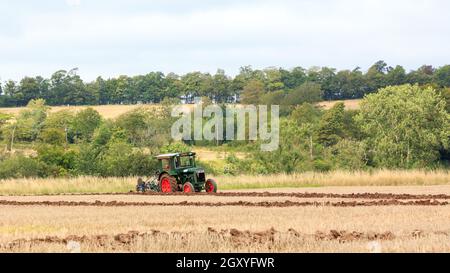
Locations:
(161, 174)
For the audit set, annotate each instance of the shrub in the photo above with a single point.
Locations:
(22, 167)
(347, 155)
(85, 123)
(176, 147)
(59, 161)
(53, 136)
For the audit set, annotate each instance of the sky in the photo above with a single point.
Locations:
(109, 38)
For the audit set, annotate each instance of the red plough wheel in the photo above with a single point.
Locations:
(211, 186)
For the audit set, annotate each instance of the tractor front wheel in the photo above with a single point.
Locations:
(168, 184)
(211, 186)
(188, 188)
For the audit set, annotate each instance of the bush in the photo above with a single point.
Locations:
(60, 162)
(142, 164)
(348, 155)
(22, 167)
(85, 123)
(53, 136)
(87, 162)
(321, 165)
(177, 147)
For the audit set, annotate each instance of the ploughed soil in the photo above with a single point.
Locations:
(235, 237)
(287, 203)
(400, 196)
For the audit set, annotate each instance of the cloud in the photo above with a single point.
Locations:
(108, 39)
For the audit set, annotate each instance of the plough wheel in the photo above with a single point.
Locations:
(211, 186)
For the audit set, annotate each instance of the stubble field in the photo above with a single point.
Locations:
(327, 219)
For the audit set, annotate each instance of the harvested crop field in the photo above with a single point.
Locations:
(380, 219)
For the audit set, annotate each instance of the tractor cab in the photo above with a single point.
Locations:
(176, 161)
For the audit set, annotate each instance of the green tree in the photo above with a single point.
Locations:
(4, 120)
(445, 93)
(221, 87)
(135, 126)
(376, 76)
(422, 76)
(53, 136)
(308, 92)
(63, 121)
(273, 80)
(114, 161)
(196, 84)
(405, 126)
(30, 122)
(273, 98)
(306, 113)
(176, 147)
(348, 85)
(331, 125)
(348, 155)
(66, 87)
(85, 123)
(296, 77)
(396, 76)
(31, 88)
(59, 162)
(252, 92)
(442, 76)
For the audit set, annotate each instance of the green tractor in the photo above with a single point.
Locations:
(178, 172)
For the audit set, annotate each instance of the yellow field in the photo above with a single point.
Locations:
(186, 228)
(349, 104)
(114, 111)
(106, 111)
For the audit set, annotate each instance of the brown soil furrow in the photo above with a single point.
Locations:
(279, 194)
(317, 195)
(390, 202)
(236, 237)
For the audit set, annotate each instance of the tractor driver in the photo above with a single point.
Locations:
(166, 165)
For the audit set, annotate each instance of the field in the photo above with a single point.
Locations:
(415, 217)
(349, 104)
(106, 111)
(114, 111)
(248, 221)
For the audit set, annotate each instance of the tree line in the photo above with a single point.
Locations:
(398, 127)
(270, 85)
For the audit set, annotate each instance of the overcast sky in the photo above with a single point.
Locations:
(116, 37)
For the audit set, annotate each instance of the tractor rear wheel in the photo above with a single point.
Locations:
(188, 188)
(211, 186)
(168, 184)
